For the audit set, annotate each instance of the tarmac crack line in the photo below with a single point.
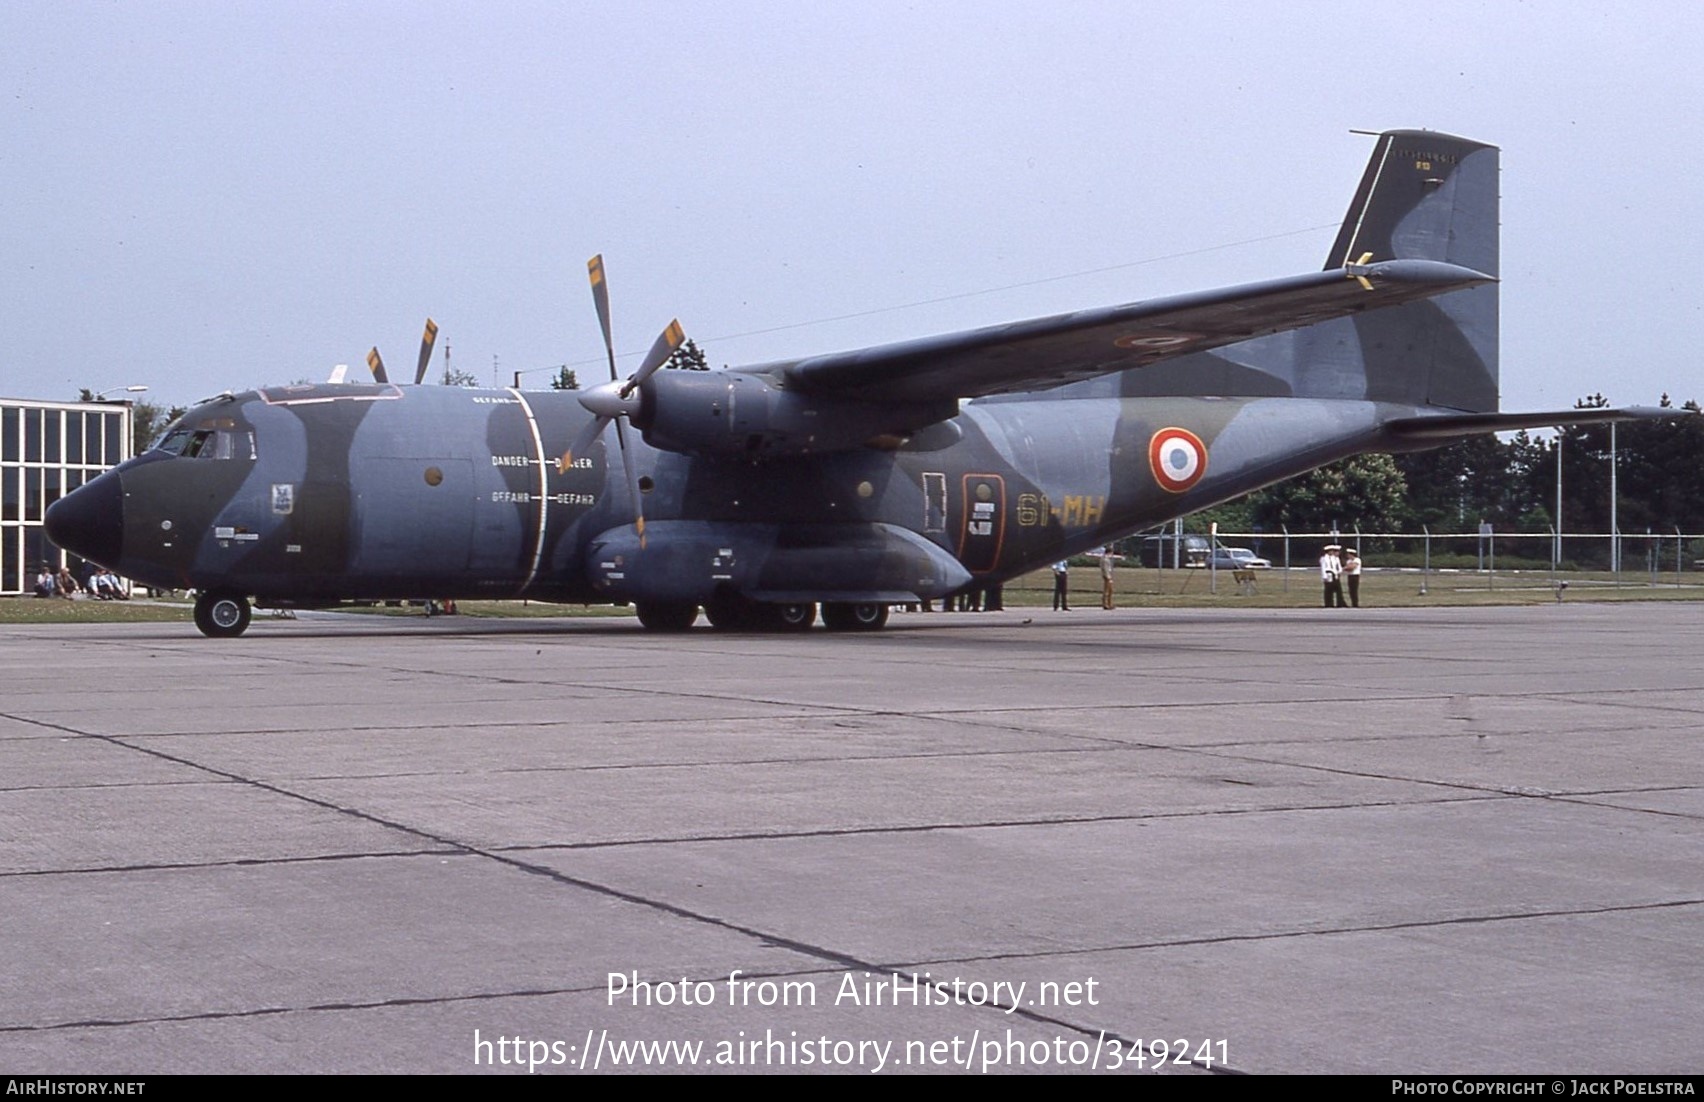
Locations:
(1339, 931)
(233, 863)
(1512, 791)
(990, 824)
(760, 936)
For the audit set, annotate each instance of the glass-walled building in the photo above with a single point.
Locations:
(48, 449)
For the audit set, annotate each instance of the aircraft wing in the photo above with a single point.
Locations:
(1452, 426)
(1047, 352)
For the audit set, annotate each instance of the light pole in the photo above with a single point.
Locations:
(1556, 551)
(1614, 530)
(101, 397)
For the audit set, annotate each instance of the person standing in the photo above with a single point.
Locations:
(1061, 586)
(1352, 575)
(1107, 562)
(1331, 573)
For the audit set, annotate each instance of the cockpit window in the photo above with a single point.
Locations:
(174, 441)
(208, 443)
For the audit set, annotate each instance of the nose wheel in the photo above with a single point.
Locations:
(221, 614)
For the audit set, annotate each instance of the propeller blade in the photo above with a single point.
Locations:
(600, 296)
(671, 339)
(426, 342)
(582, 443)
(337, 373)
(632, 481)
(607, 400)
(377, 366)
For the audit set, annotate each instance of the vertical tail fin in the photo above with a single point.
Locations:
(1425, 196)
(1428, 196)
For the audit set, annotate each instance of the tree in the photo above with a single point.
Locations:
(455, 376)
(1661, 474)
(688, 357)
(1479, 479)
(565, 379)
(1585, 472)
(1367, 491)
(148, 421)
(1236, 515)
(1659, 477)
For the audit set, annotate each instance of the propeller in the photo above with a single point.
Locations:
(427, 340)
(376, 363)
(615, 400)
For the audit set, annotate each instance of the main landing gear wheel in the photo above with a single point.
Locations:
(221, 614)
(735, 613)
(795, 617)
(863, 616)
(666, 615)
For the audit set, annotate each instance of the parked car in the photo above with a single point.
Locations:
(1171, 550)
(1245, 559)
(1235, 558)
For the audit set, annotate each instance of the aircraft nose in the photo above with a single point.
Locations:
(89, 521)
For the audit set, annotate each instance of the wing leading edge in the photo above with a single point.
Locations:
(1047, 352)
(1443, 428)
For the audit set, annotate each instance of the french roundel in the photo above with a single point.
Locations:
(1178, 458)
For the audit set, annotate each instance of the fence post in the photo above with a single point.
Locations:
(1490, 557)
(1553, 563)
(1678, 552)
(1286, 529)
(1426, 562)
(1213, 557)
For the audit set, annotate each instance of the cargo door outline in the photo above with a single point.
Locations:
(984, 530)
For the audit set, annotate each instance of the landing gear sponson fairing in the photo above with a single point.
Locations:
(854, 480)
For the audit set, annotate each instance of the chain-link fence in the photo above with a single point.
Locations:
(1536, 559)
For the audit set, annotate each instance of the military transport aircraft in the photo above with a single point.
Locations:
(851, 481)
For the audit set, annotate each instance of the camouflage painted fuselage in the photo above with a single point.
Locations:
(867, 477)
(340, 492)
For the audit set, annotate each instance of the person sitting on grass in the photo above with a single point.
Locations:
(104, 584)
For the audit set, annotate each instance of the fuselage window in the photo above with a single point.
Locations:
(229, 444)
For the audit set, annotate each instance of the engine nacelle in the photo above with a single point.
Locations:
(735, 413)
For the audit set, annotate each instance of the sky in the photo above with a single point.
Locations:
(197, 197)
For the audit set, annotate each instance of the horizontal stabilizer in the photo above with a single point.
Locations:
(1453, 425)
